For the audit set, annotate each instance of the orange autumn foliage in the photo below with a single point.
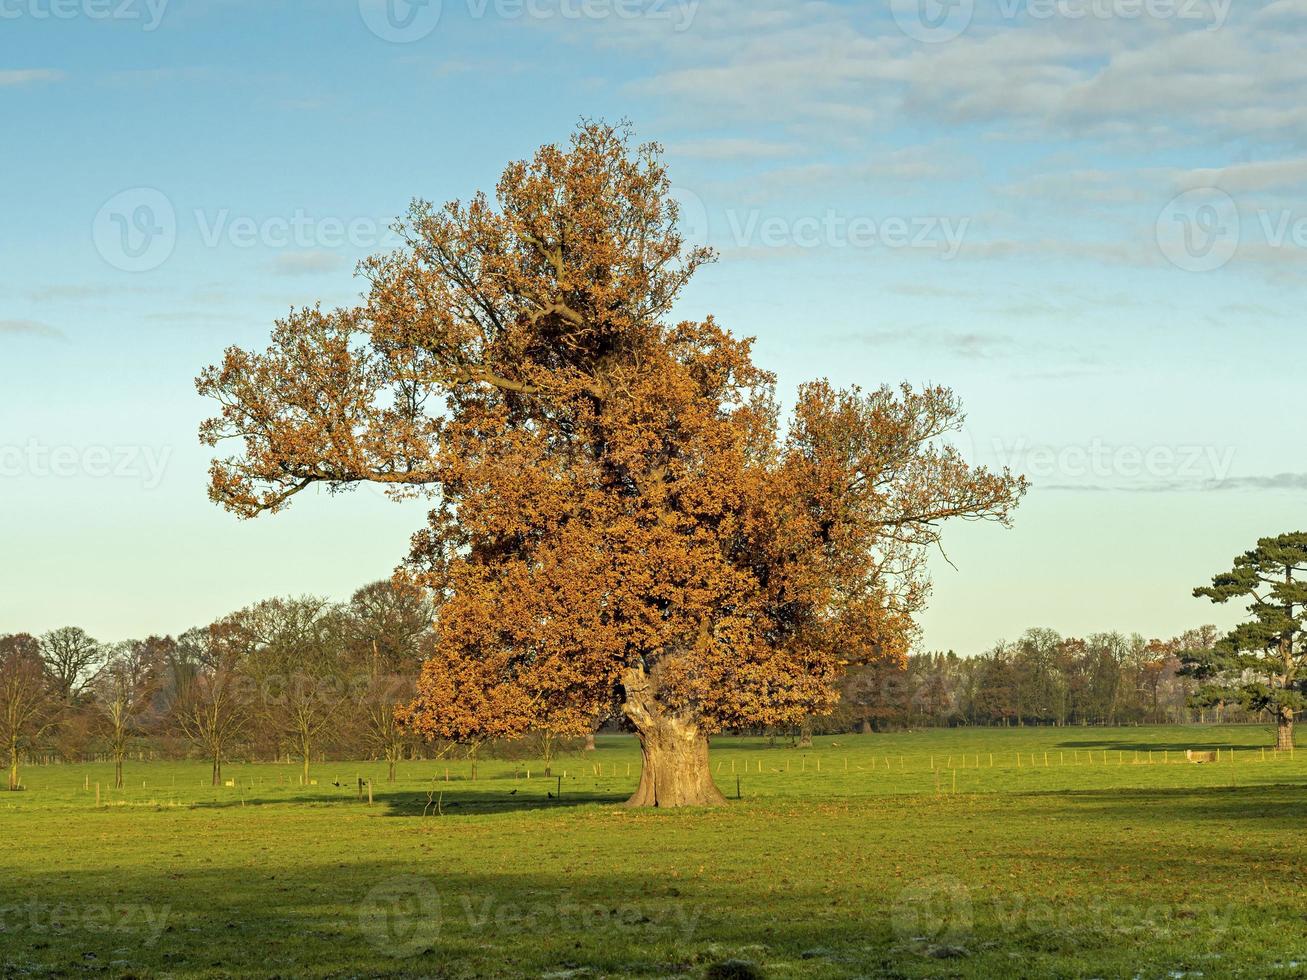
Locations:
(622, 515)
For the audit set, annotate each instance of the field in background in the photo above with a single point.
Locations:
(1070, 852)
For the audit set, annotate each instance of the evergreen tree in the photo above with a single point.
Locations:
(1260, 663)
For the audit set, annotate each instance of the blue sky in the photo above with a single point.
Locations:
(1086, 216)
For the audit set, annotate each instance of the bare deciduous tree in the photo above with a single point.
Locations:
(211, 699)
(74, 660)
(387, 626)
(126, 687)
(29, 698)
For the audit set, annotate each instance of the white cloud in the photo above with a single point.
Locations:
(1262, 175)
(30, 328)
(733, 148)
(306, 263)
(28, 76)
(1136, 80)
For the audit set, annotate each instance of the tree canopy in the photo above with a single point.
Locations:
(622, 516)
(1261, 664)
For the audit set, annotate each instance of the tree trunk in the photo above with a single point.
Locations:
(1284, 730)
(217, 770)
(117, 771)
(13, 766)
(675, 770)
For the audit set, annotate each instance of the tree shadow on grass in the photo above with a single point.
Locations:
(396, 918)
(469, 802)
(1202, 743)
(324, 914)
(1275, 805)
(445, 801)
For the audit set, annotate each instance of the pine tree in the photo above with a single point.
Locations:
(1260, 663)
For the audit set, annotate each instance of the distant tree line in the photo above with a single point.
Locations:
(1042, 678)
(293, 679)
(303, 680)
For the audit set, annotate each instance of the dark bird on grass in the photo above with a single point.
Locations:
(512, 792)
(549, 794)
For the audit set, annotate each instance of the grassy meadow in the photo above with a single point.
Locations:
(1076, 852)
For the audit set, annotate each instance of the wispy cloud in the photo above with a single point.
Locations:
(1292, 482)
(1135, 81)
(734, 148)
(971, 345)
(306, 263)
(30, 328)
(29, 76)
(1280, 481)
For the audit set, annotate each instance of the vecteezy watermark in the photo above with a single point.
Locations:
(691, 216)
(936, 909)
(401, 917)
(137, 230)
(299, 230)
(942, 911)
(935, 21)
(1202, 229)
(833, 229)
(679, 13)
(400, 21)
(145, 464)
(1199, 230)
(404, 916)
(1209, 13)
(148, 12)
(753, 228)
(406, 21)
(119, 918)
(1118, 466)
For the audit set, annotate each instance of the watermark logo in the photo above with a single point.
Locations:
(691, 217)
(401, 21)
(405, 21)
(145, 923)
(136, 230)
(833, 229)
(1213, 13)
(144, 464)
(752, 229)
(1098, 464)
(401, 917)
(936, 909)
(1199, 230)
(936, 21)
(933, 21)
(936, 915)
(148, 12)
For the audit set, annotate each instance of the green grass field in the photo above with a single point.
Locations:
(1107, 857)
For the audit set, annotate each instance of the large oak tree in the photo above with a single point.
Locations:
(622, 517)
